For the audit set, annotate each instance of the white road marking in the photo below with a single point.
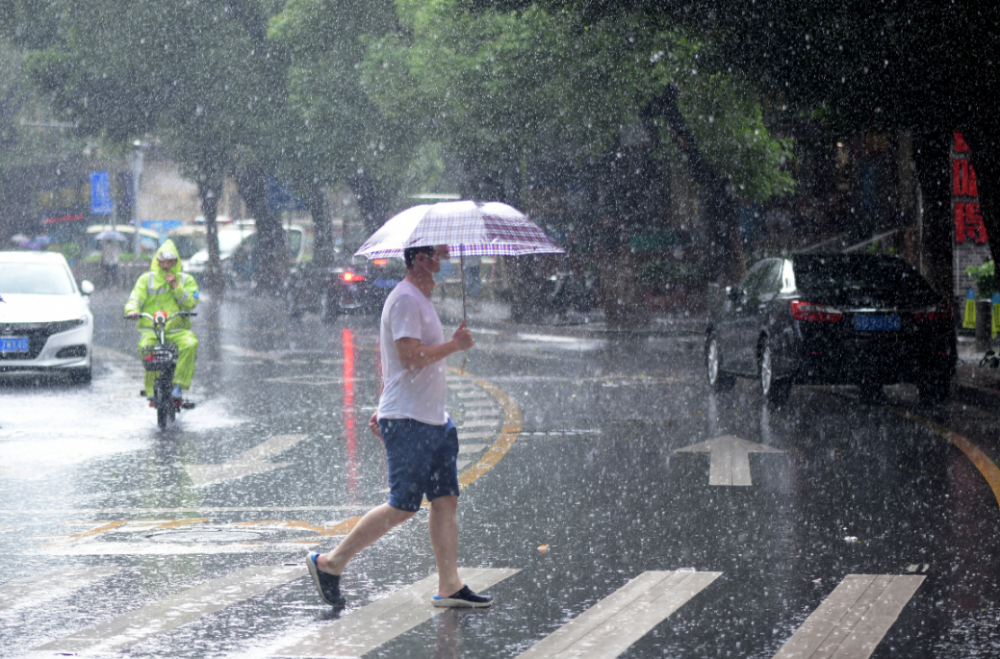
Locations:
(470, 448)
(853, 619)
(473, 394)
(248, 462)
(609, 627)
(479, 423)
(127, 630)
(730, 460)
(491, 434)
(43, 588)
(361, 631)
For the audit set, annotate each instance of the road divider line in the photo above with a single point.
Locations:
(853, 619)
(43, 588)
(365, 629)
(611, 626)
(132, 628)
(982, 461)
(508, 434)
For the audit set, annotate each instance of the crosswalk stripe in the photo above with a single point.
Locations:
(479, 423)
(853, 619)
(51, 585)
(172, 612)
(609, 627)
(363, 630)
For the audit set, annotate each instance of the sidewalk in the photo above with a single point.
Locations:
(973, 384)
(496, 315)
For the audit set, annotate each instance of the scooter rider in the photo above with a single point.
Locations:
(166, 288)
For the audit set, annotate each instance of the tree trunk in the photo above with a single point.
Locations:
(373, 201)
(270, 267)
(932, 153)
(209, 190)
(323, 248)
(721, 207)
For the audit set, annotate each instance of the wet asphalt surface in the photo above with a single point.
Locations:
(111, 515)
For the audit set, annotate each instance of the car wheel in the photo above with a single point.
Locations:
(81, 375)
(327, 306)
(934, 391)
(775, 391)
(718, 380)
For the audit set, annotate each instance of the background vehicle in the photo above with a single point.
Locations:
(189, 240)
(162, 358)
(860, 319)
(237, 246)
(45, 319)
(360, 285)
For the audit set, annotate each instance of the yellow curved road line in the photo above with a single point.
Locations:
(986, 467)
(508, 434)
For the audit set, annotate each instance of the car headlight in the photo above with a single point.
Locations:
(66, 325)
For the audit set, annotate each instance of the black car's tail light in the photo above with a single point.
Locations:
(939, 313)
(815, 313)
(351, 277)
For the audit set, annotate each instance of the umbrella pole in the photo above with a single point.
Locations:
(461, 264)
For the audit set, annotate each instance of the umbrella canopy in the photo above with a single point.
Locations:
(111, 235)
(468, 228)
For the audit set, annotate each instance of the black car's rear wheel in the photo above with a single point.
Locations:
(774, 390)
(718, 379)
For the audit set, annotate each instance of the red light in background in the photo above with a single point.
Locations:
(349, 418)
(349, 276)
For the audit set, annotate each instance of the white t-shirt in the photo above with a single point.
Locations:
(419, 393)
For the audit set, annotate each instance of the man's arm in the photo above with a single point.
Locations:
(413, 355)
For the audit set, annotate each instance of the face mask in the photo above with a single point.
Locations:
(441, 275)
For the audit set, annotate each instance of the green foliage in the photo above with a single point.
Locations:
(984, 278)
(497, 87)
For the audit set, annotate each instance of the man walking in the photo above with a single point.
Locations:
(421, 442)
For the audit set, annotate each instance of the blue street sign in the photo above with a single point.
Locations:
(100, 194)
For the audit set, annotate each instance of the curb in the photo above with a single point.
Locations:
(970, 394)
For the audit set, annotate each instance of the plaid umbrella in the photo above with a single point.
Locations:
(468, 228)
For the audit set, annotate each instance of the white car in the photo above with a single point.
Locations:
(45, 319)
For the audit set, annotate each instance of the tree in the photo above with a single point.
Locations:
(202, 73)
(924, 66)
(504, 89)
(340, 124)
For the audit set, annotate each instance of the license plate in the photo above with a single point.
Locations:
(877, 323)
(386, 283)
(13, 344)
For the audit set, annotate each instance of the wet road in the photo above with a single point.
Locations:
(611, 505)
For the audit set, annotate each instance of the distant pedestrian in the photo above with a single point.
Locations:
(110, 254)
(421, 442)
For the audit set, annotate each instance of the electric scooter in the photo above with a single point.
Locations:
(162, 357)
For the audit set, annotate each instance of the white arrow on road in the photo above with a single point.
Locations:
(248, 462)
(730, 459)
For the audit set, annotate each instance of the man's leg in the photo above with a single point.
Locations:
(187, 350)
(148, 340)
(375, 524)
(444, 539)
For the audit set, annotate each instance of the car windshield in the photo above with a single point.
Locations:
(34, 279)
(856, 274)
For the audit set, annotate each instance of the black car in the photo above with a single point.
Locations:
(360, 286)
(860, 319)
